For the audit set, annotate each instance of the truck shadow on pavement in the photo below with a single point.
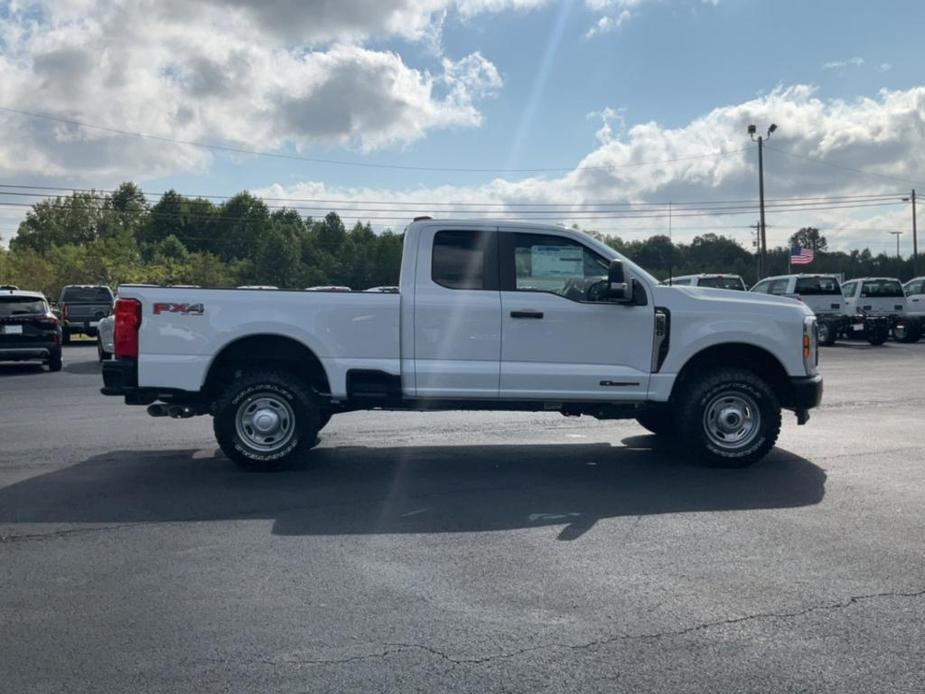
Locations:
(420, 489)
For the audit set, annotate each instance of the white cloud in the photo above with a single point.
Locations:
(877, 135)
(842, 64)
(242, 73)
(885, 67)
(608, 23)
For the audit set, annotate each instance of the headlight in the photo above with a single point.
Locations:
(810, 344)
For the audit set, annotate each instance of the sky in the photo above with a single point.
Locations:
(590, 112)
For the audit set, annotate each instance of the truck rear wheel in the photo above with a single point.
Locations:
(266, 420)
(729, 418)
(876, 335)
(907, 331)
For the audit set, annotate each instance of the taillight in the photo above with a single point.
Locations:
(64, 312)
(125, 329)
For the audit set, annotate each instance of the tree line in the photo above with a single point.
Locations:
(113, 238)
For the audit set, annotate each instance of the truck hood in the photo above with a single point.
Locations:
(719, 300)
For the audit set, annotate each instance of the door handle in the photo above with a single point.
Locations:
(527, 314)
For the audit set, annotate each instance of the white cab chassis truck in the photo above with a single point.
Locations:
(488, 316)
(878, 306)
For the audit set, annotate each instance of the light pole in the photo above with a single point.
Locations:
(762, 236)
(897, 234)
(915, 235)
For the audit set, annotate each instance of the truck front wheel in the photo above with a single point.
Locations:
(828, 333)
(729, 418)
(266, 420)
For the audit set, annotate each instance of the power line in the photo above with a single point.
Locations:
(431, 203)
(342, 162)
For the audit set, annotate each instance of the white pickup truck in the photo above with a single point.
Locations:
(489, 315)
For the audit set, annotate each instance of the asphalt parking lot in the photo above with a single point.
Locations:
(476, 552)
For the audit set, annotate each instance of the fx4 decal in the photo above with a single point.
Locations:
(182, 309)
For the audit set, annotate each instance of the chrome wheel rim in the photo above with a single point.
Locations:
(731, 420)
(900, 331)
(265, 422)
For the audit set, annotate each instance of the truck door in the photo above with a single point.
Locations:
(556, 342)
(457, 314)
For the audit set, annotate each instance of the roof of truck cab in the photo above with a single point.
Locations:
(801, 274)
(516, 224)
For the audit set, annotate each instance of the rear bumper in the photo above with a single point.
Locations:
(26, 352)
(120, 378)
(805, 392)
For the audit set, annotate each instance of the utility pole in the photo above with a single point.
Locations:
(897, 234)
(762, 234)
(915, 235)
(670, 244)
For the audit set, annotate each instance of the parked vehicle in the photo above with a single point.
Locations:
(257, 286)
(383, 290)
(875, 305)
(714, 281)
(104, 333)
(912, 329)
(82, 306)
(328, 288)
(821, 293)
(490, 316)
(29, 331)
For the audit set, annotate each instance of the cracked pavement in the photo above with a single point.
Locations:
(483, 552)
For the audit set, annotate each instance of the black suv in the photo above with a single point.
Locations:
(28, 329)
(81, 307)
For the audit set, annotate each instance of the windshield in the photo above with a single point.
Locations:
(817, 286)
(21, 306)
(96, 295)
(882, 289)
(722, 283)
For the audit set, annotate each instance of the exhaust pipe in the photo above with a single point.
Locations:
(157, 410)
(180, 411)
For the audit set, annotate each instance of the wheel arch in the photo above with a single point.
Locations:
(265, 351)
(741, 355)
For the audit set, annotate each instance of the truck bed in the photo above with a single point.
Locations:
(183, 330)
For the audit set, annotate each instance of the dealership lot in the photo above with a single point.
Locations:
(474, 551)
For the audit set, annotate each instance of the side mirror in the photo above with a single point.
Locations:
(618, 289)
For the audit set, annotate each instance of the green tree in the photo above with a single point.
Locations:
(809, 237)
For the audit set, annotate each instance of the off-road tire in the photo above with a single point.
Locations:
(876, 336)
(283, 387)
(659, 420)
(828, 334)
(709, 391)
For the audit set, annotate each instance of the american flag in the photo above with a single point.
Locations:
(801, 256)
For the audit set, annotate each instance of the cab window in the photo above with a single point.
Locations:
(848, 288)
(882, 289)
(761, 287)
(914, 287)
(817, 286)
(778, 287)
(463, 259)
(548, 263)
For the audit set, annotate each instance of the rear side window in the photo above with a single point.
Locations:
(761, 287)
(96, 295)
(722, 283)
(21, 306)
(461, 260)
(817, 286)
(882, 289)
(914, 287)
